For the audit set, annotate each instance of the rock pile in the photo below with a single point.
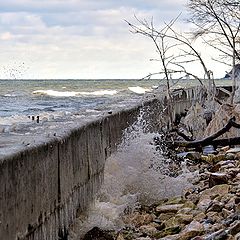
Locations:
(210, 210)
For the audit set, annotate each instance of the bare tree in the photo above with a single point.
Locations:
(176, 51)
(219, 21)
(162, 47)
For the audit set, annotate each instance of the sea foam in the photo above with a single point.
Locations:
(139, 90)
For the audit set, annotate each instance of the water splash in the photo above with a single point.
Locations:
(130, 180)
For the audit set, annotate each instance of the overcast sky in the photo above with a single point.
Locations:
(79, 38)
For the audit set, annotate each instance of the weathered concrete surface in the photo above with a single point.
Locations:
(45, 185)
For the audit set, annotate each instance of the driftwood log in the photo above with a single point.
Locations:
(211, 140)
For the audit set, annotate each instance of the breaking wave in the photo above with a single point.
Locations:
(55, 93)
(129, 181)
(139, 90)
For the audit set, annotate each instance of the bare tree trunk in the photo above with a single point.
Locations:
(234, 85)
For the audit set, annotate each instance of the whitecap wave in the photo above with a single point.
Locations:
(139, 90)
(55, 93)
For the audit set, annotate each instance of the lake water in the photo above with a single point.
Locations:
(22, 97)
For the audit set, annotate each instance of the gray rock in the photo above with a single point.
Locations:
(190, 155)
(217, 179)
(215, 206)
(209, 150)
(192, 230)
(169, 208)
(233, 150)
(219, 235)
(204, 204)
(230, 156)
(220, 190)
(234, 228)
(197, 238)
(237, 237)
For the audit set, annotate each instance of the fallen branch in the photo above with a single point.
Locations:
(210, 140)
(181, 134)
(226, 141)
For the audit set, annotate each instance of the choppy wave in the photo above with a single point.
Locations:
(139, 90)
(55, 93)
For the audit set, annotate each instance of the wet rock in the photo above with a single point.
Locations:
(165, 216)
(234, 227)
(172, 222)
(237, 156)
(208, 158)
(230, 237)
(184, 211)
(175, 200)
(195, 156)
(226, 198)
(232, 218)
(237, 200)
(204, 204)
(238, 176)
(131, 233)
(150, 230)
(230, 204)
(215, 168)
(219, 235)
(168, 231)
(192, 230)
(189, 204)
(97, 234)
(216, 227)
(213, 159)
(197, 238)
(200, 217)
(209, 150)
(213, 217)
(193, 197)
(225, 148)
(215, 206)
(230, 156)
(184, 218)
(160, 226)
(237, 236)
(170, 237)
(143, 238)
(218, 158)
(226, 213)
(220, 190)
(234, 150)
(169, 208)
(120, 237)
(139, 219)
(234, 190)
(217, 179)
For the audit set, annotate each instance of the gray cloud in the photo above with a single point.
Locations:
(87, 38)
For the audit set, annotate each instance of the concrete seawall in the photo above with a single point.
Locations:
(45, 187)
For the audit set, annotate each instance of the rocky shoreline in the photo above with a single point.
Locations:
(209, 210)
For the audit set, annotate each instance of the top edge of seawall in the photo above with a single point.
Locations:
(13, 145)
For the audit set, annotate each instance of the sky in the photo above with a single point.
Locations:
(81, 38)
